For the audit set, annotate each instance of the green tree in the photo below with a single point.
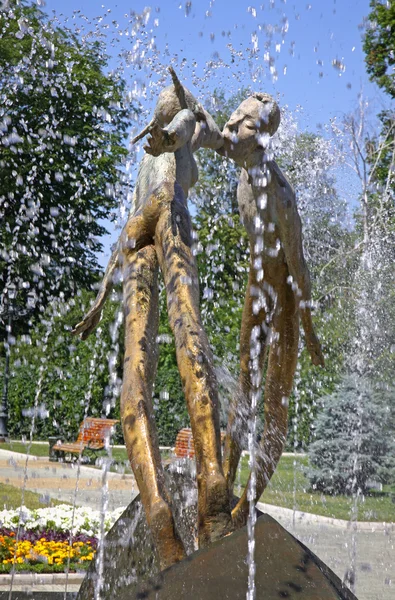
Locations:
(354, 438)
(379, 48)
(376, 273)
(57, 379)
(379, 44)
(62, 126)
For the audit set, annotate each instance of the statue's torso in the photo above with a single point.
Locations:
(262, 197)
(157, 172)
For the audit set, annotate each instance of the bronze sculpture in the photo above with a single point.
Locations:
(278, 287)
(158, 235)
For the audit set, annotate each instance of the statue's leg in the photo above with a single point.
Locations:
(141, 356)
(283, 358)
(195, 363)
(254, 315)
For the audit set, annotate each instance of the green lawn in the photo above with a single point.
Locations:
(36, 449)
(119, 455)
(11, 497)
(288, 488)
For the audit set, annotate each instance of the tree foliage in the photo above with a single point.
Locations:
(354, 438)
(62, 126)
(57, 380)
(379, 45)
(379, 48)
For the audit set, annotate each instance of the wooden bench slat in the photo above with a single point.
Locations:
(77, 448)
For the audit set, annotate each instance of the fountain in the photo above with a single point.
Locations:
(187, 534)
(280, 281)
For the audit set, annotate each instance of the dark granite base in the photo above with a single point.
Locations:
(285, 568)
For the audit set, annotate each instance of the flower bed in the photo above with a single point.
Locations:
(50, 540)
(60, 518)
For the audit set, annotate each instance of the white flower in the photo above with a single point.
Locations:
(61, 518)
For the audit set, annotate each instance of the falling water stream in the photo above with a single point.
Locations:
(97, 355)
(296, 441)
(34, 415)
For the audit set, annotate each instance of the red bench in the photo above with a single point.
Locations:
(92, 435)
(185, 447)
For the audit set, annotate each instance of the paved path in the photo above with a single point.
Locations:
(370, 548)
(59, 480)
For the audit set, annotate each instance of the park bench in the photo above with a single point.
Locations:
(185, 447)
(92, 436)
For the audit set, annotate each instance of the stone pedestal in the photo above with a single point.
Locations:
(128, 555)
(285, 568)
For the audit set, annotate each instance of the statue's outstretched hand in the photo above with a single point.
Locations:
(88, 323)
(314, 349)
(160, 140)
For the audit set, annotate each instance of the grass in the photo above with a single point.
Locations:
(119, 455)
(11, 498)
(289, 488)
(36, 449)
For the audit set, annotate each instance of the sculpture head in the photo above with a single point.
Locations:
(177, 97)
(247, 132)
(171, 101)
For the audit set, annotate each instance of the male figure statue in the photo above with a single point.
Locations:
(158, 235)
(278, 288)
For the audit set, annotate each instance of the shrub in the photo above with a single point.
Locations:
(354, 438)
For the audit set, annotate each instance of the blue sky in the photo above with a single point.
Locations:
(316, 31)
(231, 44)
